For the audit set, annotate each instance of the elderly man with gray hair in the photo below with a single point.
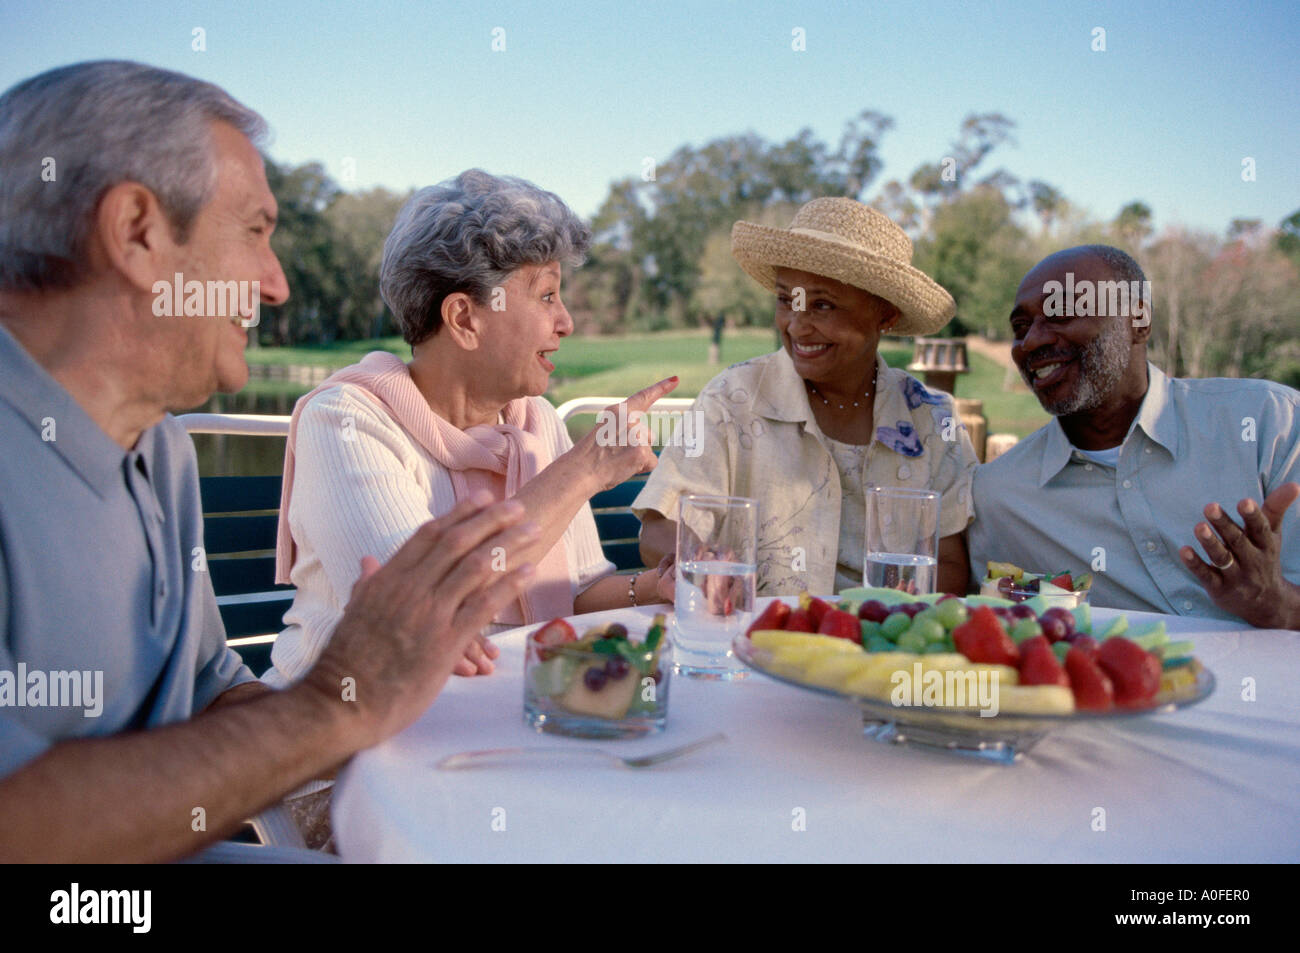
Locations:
(115, 176)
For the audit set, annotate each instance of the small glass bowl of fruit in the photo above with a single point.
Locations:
(602, 685)
(1053, 589)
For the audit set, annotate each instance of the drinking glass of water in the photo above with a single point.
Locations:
(902, 549)
(717, 561)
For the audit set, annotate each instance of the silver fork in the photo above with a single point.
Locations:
(467, 759)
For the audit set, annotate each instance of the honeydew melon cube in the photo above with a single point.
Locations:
(1149, 635)
(1040, 603)
(888, 597)
(1117, 626)
(1083, 618)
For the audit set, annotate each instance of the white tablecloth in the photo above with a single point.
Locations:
(797, 781)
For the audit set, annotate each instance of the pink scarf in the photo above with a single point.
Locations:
(500, 459)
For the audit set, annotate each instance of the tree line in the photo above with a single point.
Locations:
(1223, 304)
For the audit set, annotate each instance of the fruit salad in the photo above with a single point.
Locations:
(1047, 659)
(1056, 588)
(602, 685)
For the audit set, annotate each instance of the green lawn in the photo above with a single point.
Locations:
(618, 366)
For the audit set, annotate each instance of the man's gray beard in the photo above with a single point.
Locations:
(1102, 363)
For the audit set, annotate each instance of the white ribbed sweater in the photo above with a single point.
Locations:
(362, 485)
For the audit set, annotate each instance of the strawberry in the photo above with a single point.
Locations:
(814, 607)
(800, 621)
(774, 616)
(1093, 689)
(554, 632)
(1064, 581)
(981, 638)
(1134, 670)
(841, 625)
(1038, 663)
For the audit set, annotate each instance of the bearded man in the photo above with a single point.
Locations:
(1134, 464)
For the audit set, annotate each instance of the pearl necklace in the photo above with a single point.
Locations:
(841, 406)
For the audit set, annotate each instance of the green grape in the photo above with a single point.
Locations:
(926, 615)
(931, 630)
(895, 625)
(937, 648)
(951, 612)
(911, 641)
(878, 643)
(1025, 629)
(869, 629)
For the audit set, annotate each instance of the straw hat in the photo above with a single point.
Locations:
(853, 243)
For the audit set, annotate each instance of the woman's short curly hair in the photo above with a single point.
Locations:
(468, 234)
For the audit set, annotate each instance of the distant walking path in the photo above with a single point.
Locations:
(999, 351)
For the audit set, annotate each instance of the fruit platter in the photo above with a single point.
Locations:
(982, 675)
(1063, 588)
(604, 684)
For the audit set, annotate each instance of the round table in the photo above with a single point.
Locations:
(797, 781)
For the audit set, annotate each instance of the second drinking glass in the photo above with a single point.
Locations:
(902, 550)
(717, 562)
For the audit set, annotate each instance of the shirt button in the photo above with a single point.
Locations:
(1148, 450)
(1187, 606)
(1128, 484)
(904, 472)
(1151, 547)
(1087, 466)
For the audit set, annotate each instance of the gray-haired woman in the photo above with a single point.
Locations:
(472, 271)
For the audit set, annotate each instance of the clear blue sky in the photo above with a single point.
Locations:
(413, 92)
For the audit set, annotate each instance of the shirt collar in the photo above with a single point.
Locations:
(1156, 417)
(49, 409)
(781, 394)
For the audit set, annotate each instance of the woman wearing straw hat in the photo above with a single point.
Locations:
(804, 430)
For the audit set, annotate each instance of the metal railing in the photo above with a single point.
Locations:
(249, 425)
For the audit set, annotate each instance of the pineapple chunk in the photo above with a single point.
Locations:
(835, 670)
(1035, 700)
(773, 639)
(998, 570)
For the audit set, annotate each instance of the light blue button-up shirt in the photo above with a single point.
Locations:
(1045, 507)
(101, 571)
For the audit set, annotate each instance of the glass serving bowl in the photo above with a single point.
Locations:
(1002, 738)
(578, 691)
(1054, 595)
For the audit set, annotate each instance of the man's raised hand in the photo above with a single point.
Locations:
(1244, 574)
(410, 622)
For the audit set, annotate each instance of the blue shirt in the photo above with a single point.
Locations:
(100, 572)
(1044, 506)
